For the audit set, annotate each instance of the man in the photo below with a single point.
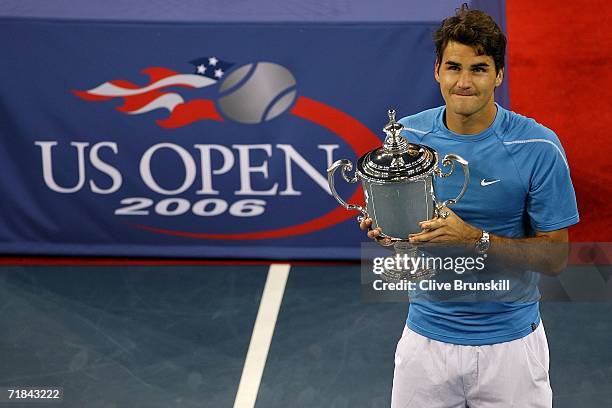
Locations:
(484, 354)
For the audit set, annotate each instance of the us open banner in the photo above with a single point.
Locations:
(198, 140)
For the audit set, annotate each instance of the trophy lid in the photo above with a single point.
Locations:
(397, 159)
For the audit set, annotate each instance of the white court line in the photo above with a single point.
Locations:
(261, 338)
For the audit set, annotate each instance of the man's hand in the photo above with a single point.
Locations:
(449, 230)
(366, 224)
(546, 252)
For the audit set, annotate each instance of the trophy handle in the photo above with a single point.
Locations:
(448, 160)
(344, 165)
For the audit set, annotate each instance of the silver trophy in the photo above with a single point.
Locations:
(397, 180)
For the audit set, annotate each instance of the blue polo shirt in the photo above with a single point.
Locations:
(519, 184)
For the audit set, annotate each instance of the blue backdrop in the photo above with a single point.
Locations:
(153, 138)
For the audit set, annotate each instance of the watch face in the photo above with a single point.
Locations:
(482, 246)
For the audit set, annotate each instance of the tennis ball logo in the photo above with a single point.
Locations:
(258, 92)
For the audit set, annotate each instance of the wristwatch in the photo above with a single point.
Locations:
(483, 244)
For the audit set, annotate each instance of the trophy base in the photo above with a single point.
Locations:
(397, 275)
(407, 271)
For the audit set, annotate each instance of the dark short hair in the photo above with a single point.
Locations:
(474, 28)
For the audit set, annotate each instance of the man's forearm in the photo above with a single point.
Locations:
(545, 253)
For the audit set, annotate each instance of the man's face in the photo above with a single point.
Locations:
(467, 80)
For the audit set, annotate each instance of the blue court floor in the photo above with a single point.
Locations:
(177, 336)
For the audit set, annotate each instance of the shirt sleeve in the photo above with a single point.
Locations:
(551, 200)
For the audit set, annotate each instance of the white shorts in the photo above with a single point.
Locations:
(432, 374)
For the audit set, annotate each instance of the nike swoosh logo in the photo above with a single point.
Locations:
(485, 183)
